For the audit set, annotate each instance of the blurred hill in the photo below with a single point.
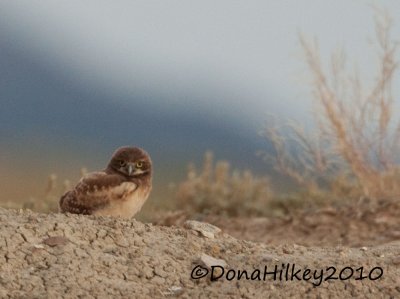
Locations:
(49, 123)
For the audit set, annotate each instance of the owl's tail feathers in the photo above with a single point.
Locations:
(63, 202)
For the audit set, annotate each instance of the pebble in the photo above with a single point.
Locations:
(174, 291)
(205, 229)
(208, 261)
(267, 258)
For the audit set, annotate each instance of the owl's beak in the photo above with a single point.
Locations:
(130, 168)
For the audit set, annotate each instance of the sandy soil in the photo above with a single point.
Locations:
(72, 256)
(347, 224)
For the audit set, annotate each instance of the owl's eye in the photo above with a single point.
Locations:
(122, 163)
(139, 164)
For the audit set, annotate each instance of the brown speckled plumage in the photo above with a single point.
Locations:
(119, 190)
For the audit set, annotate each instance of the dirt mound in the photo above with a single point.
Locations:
(70, 256)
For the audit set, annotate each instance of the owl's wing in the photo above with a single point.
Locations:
(94, 191)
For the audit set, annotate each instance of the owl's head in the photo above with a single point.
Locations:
(131, 162)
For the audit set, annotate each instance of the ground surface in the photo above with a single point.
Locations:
(69, 256)
(350, 224)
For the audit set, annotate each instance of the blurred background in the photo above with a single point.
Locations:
(80, 78)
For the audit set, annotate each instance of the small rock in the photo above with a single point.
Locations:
(175, 290)
(267, 258)
(208, 261)
(207, 234)
(54, 241)
(205, 229)
(160, 272)
(287, 250)
(110, 249)
(396, 260)
(364, 248)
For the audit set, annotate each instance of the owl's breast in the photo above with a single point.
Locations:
(125, 200)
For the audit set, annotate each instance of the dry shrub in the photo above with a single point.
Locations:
(48, 202)
(218, 190)
(355, 146)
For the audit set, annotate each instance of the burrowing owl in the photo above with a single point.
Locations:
(119, 190)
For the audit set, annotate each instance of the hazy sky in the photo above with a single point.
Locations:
(245, 53)
(210, 72)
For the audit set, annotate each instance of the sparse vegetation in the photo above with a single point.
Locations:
(218, 190)
(355, 146)
(352, 153)
(48, 202)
